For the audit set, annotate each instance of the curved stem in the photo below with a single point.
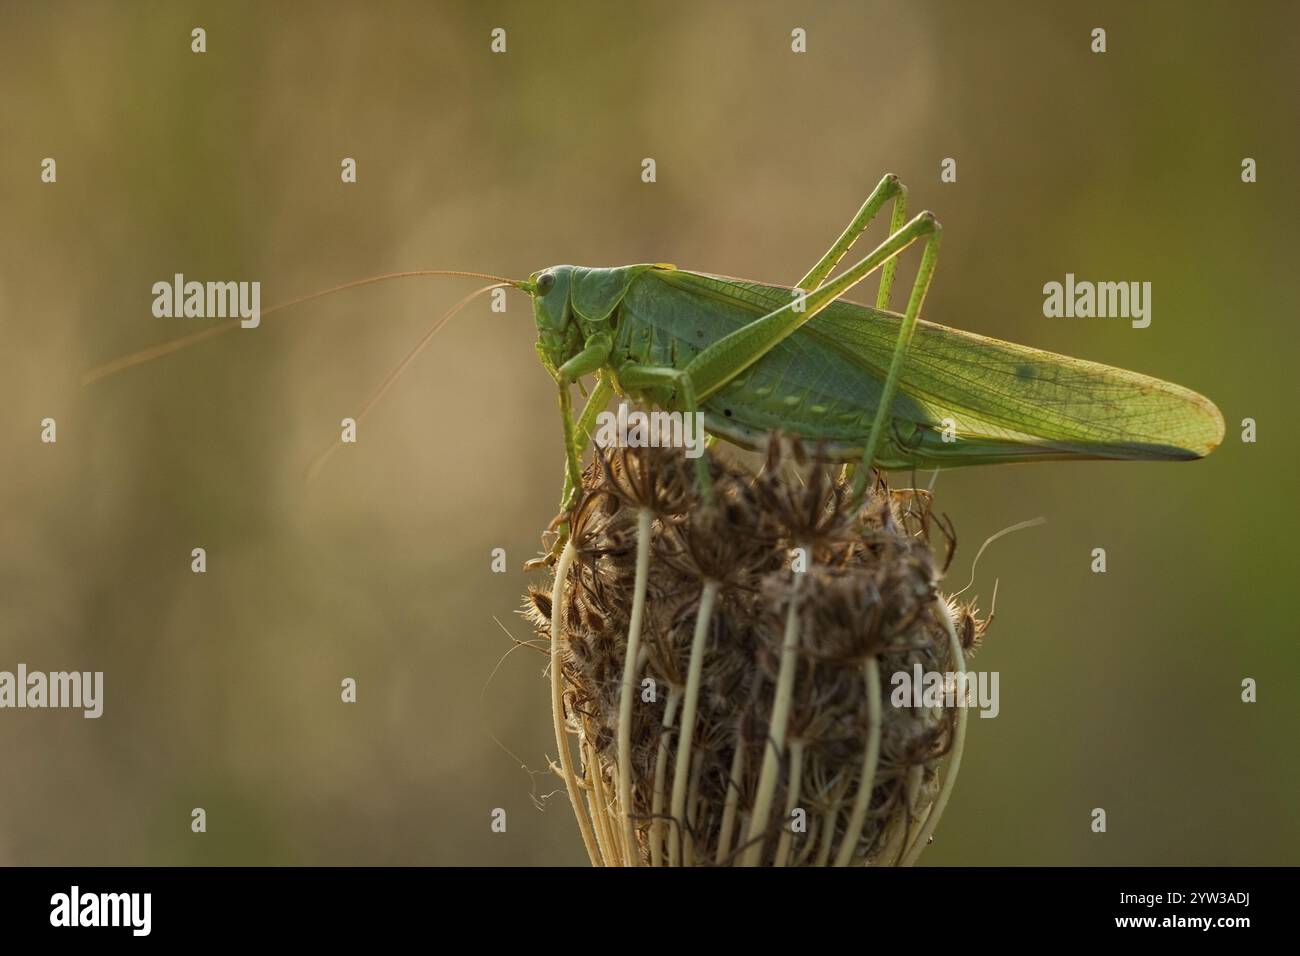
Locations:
(913, 784)
(810, 841)
(777, 727)
(867, 786)
(631, 665)
(892, 846)
(828, 835)
(661, 775)
(557, 704)
(682, 770)
(733, 798)
(958, 744)
(791, 801)
(692, 815)
(606, 841)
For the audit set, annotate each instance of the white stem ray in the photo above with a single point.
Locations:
(958, 744)
(695, 670)
(777, 726)
(871, 756)
(631, 666)
(557, 704)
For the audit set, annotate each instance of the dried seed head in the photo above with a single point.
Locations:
(809, 509)
(868, 594)
(656, 478)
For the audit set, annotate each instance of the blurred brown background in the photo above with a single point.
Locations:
(222, 690)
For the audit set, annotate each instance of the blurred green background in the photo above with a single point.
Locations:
(1119, 690)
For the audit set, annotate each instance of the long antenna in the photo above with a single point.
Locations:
(393, 376)
(175, 345)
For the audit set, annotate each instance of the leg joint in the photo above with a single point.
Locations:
(928, 222)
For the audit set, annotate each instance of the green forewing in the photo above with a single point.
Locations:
(1008, 402)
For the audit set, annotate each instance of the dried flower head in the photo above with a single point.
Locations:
(759, 722)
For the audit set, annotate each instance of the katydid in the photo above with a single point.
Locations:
(867, 386)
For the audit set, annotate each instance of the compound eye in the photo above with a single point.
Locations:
(545, 282)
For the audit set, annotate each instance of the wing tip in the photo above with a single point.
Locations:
(1215, 427)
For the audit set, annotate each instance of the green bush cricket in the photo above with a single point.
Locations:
(869, 387)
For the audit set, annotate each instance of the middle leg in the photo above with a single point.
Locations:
(634, 378)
